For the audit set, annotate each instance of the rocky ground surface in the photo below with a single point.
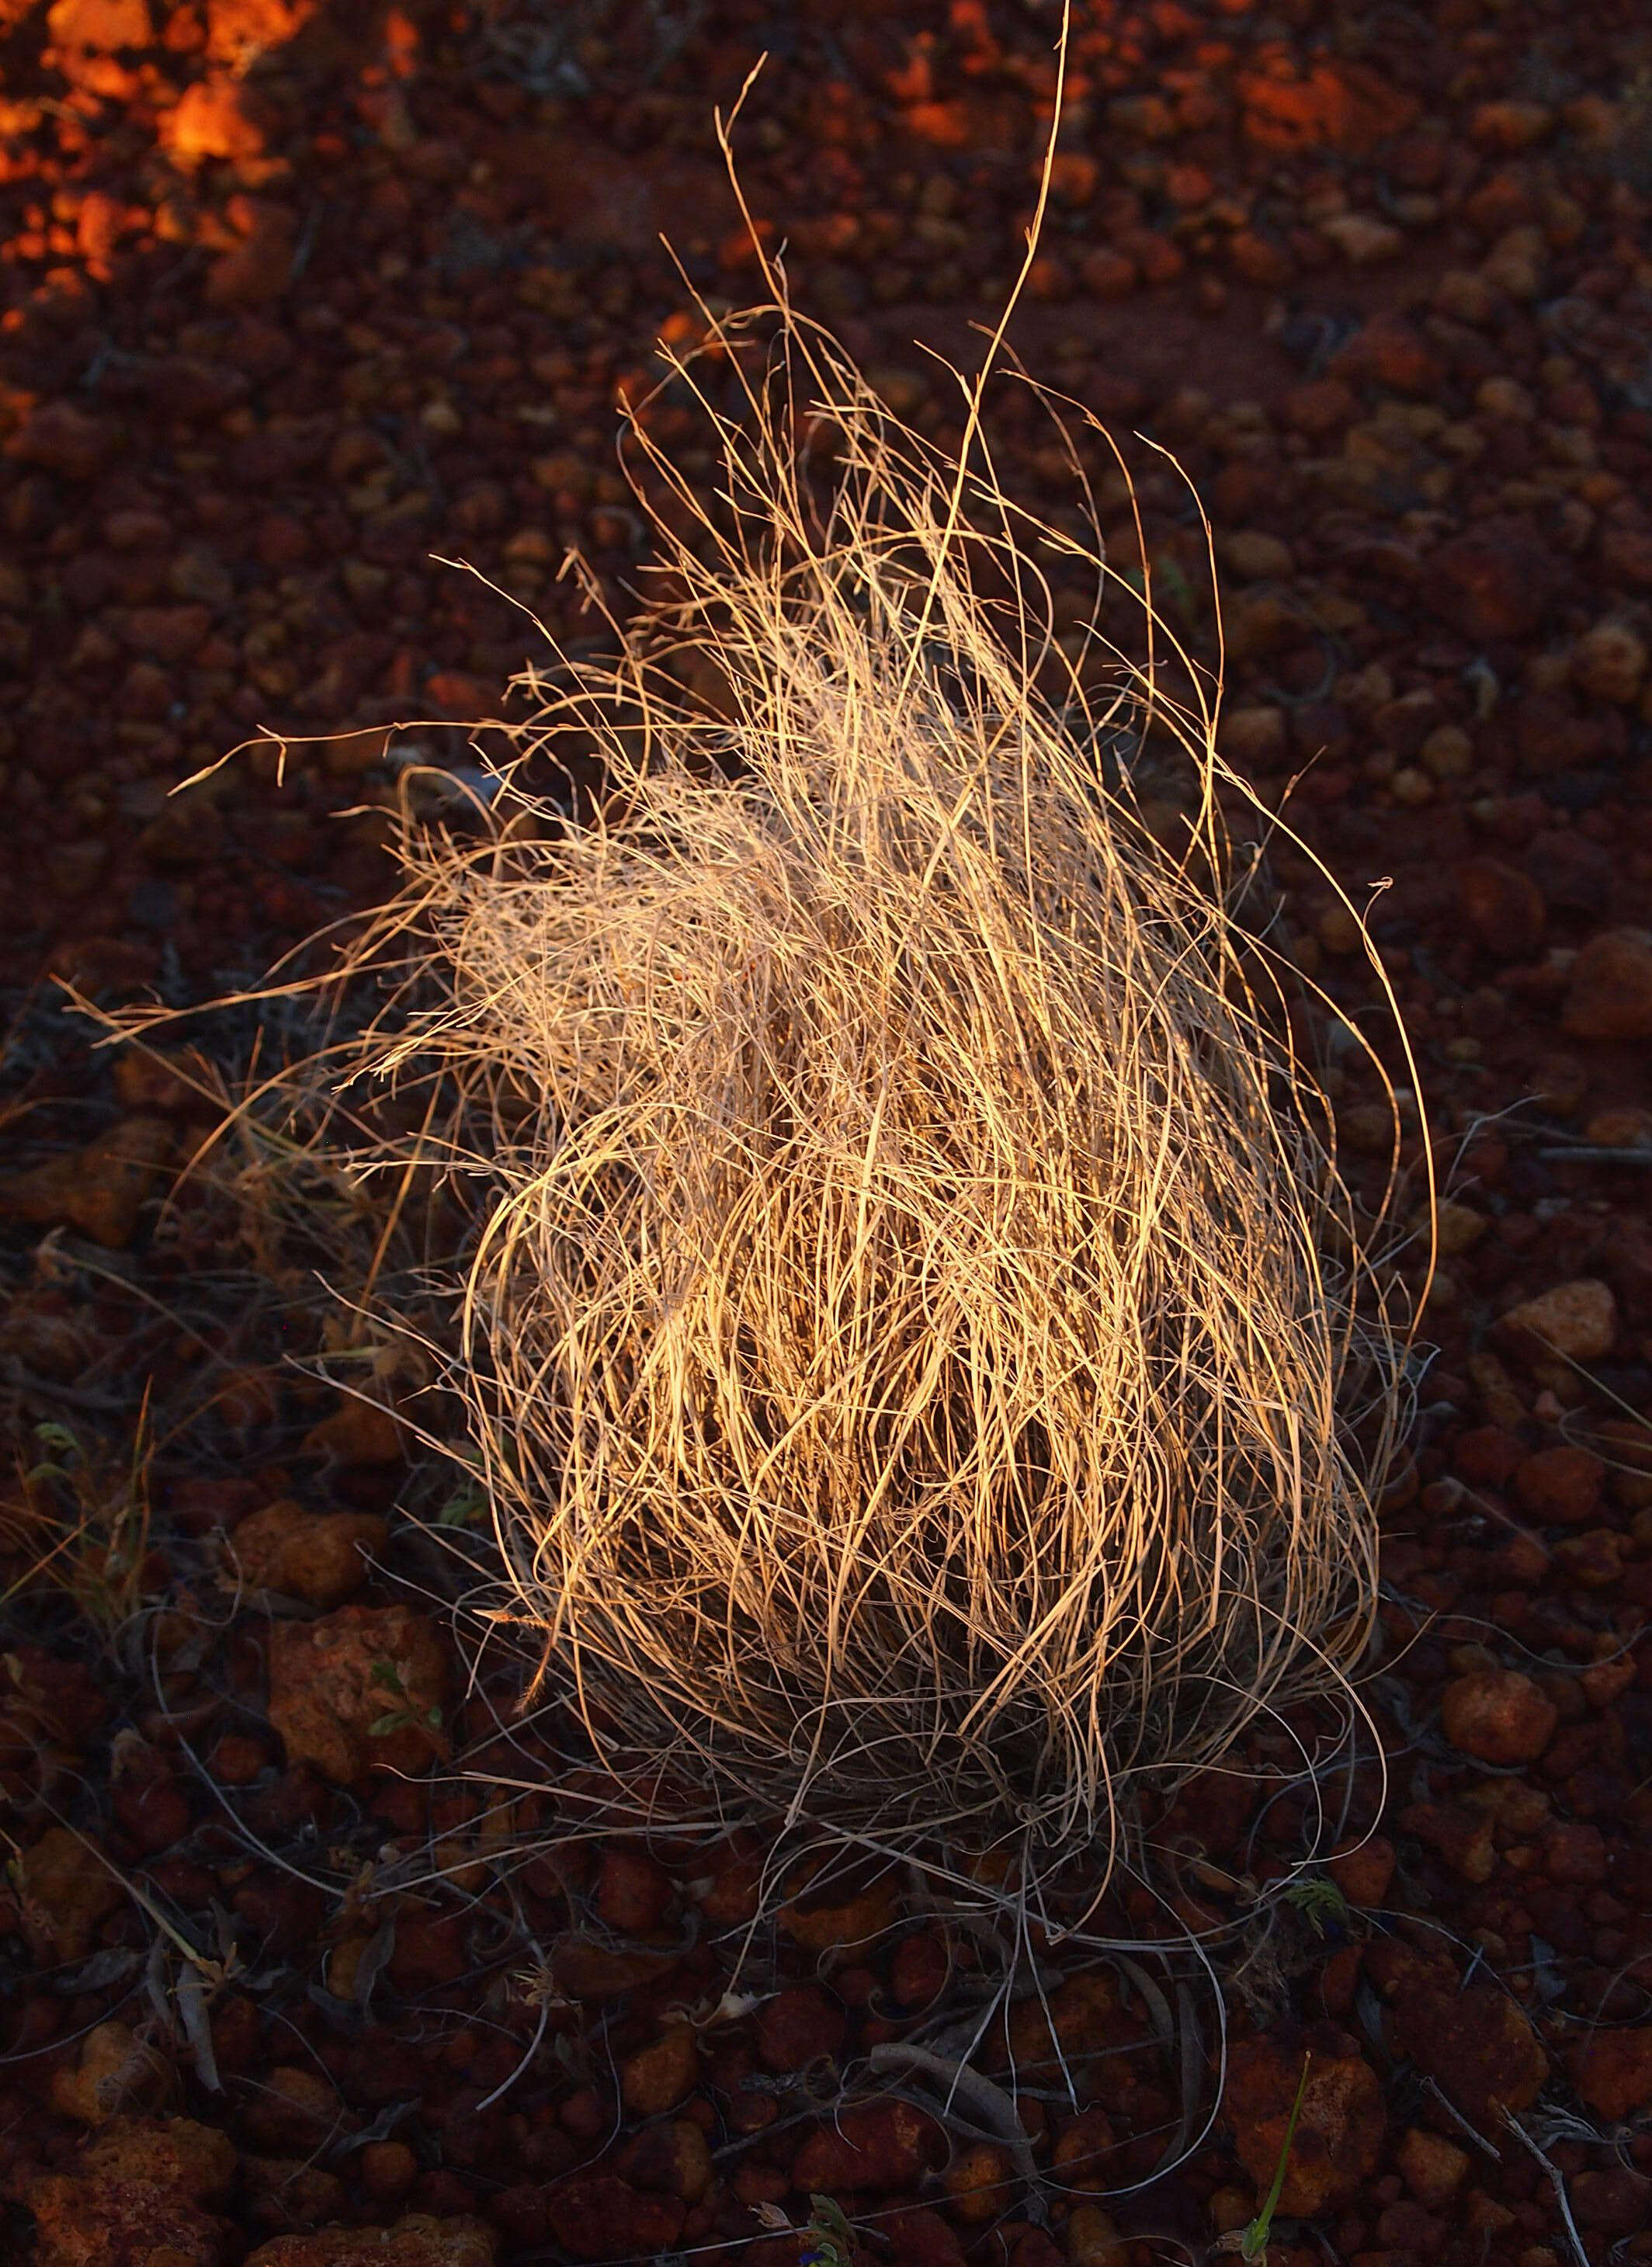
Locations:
(296, 297)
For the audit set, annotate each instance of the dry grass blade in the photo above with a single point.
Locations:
(899, 1314)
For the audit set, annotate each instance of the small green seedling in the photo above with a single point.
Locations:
(1253, 2239)
(829, 2236)
(1319, 1901)
(387, 1674)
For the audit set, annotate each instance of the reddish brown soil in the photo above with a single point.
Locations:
(298, 297)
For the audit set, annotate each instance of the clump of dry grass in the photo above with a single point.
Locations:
(909, 1311)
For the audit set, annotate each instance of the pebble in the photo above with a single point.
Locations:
(420, 2240)
(1560, 1484)
(1578, 1320)
(1610, 993)
(1612, 2068)
(1498, 1716)
(362, 1688)
(1432, 2168)
(1340, 2130)
(1478, 2045)
(319, 1557)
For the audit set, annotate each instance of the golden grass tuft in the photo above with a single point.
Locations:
(908, 1316)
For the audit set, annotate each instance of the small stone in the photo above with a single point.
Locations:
(596, 2216)
(1340, 2127)
(1321, 408)
(1411, 787)
(319, 1557)
(358, 1433)
(877, 2147)
(1612, 2071)
(1503, 907)
(361, 1688)
(420, 2240)
(1363, 1870)
(668, 2158)
(66, 1892)
(1510, 125)
(101, 1189)
(1255, 556)
(1561, 1484)
(1494, 583)
(117, 2072)
(1448, 752)
(1477, 2044)
(1363, 239)
(62, 438)
(1578, 1320)
(146, 2177)
(1609, 663)
(634, 1892)
(1432, 2168)
(661, 2075)
(1391, 351)
(214, 118)
(1610, 993)
(1254, 738)
(1498, 1716)
(798, 2027)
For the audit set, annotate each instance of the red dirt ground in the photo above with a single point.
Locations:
(296, 297)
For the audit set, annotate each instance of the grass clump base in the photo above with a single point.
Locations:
(908, 1313)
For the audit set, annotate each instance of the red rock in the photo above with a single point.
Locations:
(1494, 584)
(116, 2072)
(357, 1433)
(660, 2076)
(170, 633)
(101, 1189)
(919, 1971)
(1510, 125)
(62, 438)
(799, 2026)
(319, 1557)
(1610, 996)
(66, 1894)
(260, 271)
(138, 2181)
(1340, 2130)
(1503, 907)
(877, 2147)
(362, 1688)
(294, 2108)
(1575, 1853)
(601, 2217)
(1432, 2168)
(1578, 1320)
(1477, 2044)
(585, 1969)
(420, 2240)
(1363, 1870)
(100, 26)
(1391, 351)
(634, 1893)
(1486, 1456)
(1498, 1716)
(921, 2238)
(1561, 1484)
(1082, 2150)
(1611, 2070)
(1458, 1836)
(214, 118)
(668, 2158)
(1612, 2200)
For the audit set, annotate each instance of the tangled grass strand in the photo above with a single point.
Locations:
(910, 1317)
